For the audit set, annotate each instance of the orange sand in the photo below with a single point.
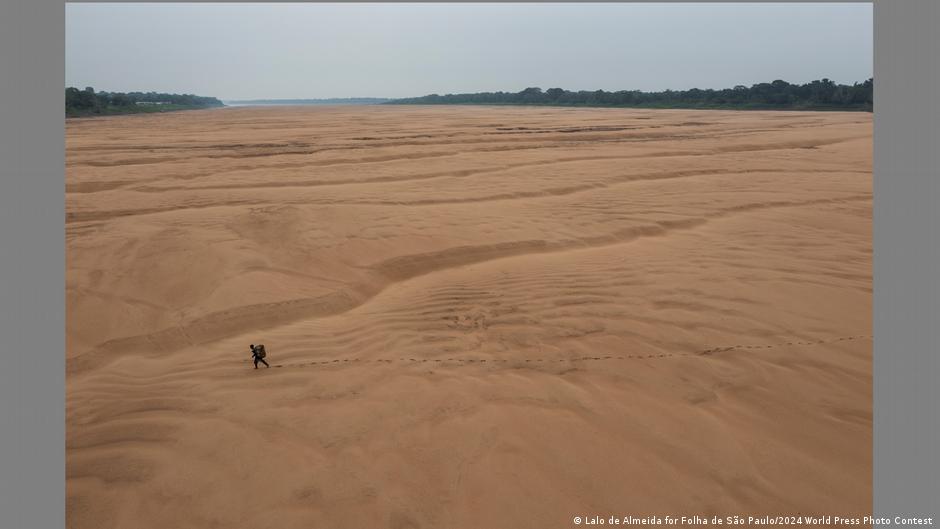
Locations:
(476, 317)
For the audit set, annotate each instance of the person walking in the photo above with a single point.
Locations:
(257, 354)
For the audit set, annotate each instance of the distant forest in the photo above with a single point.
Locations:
(87, 102)
(778, 95)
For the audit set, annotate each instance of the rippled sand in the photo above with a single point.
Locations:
(476, 317)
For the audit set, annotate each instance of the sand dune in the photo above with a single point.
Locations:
(476, 317)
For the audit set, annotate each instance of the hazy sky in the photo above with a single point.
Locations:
(246, 51)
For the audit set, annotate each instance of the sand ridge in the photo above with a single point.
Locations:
(475, 322)
(484, 316)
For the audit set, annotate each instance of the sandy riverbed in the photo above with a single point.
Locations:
(476, 317)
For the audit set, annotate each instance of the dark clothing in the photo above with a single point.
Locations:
(257, 357)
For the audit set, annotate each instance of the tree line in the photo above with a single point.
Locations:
(777, 95)
(88, 102)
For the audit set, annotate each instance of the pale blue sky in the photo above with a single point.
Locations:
(247, 51)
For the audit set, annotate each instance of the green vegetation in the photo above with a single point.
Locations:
(778, 95)
(87, 102)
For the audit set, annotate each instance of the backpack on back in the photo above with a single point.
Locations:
(259, 350)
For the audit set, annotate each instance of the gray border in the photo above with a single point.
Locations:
(907, 256)
(32, 262)
(907, 259)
